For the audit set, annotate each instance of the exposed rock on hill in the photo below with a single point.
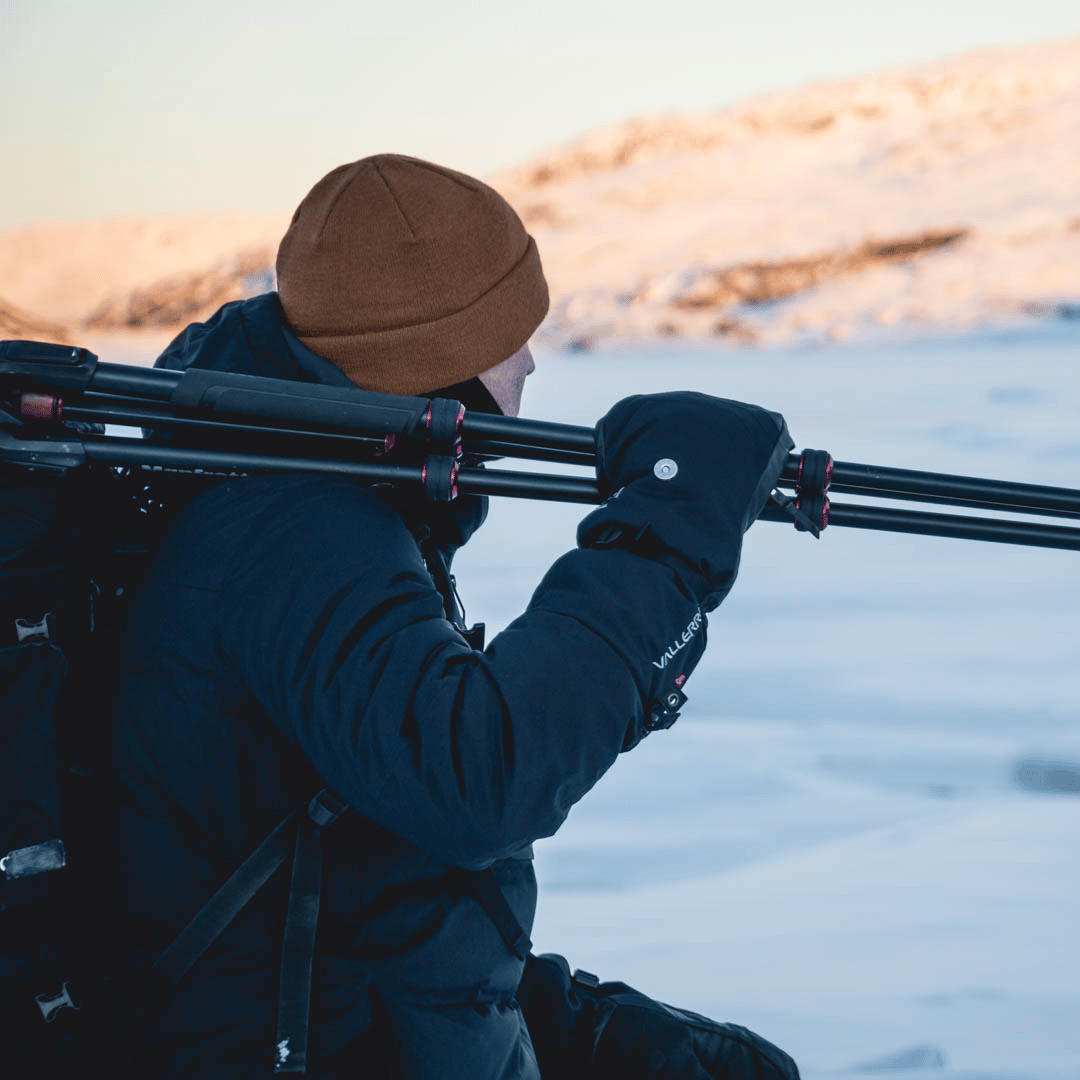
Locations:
(759, 283)
(925, 1056)
(67, 270)
(16, 325)
(183, 298)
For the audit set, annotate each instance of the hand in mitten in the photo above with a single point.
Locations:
(685, 475)
(583, 1029)
(647, 1040)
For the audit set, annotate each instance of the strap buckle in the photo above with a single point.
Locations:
(34, 633)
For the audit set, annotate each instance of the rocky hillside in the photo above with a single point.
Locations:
(914, 201)
(16, 325)
(937, 198)
(130, 273)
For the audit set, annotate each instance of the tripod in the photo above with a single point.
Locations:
(218, 422)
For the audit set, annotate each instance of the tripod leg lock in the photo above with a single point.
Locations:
(442, 421)
(815, 471)
(810, 507)
(439, 477)
(814, 478)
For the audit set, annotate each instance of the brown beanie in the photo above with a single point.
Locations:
(408, 276)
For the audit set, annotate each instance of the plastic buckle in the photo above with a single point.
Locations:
(585, 978)
(663, 714)
(37, 859)
(35, 633)
(325, 808)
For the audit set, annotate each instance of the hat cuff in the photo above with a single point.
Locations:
(426, 356)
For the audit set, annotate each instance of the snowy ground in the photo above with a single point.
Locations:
(860, 838)
(842, 842)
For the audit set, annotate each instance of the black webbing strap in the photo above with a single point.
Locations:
(298, 945)
(486, 891)
(220, 910)
(482, 884)
(435, 561)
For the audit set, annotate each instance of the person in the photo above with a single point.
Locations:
(297, 632)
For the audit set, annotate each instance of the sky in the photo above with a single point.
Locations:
(118, 108)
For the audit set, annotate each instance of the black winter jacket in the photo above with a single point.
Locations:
(289, 636)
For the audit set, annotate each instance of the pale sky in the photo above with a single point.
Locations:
(135, 107)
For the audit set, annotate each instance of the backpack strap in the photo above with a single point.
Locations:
(481, 884)
(215, 915)
(301, 834)
(298, 945)
(211, 920)
(486, 891)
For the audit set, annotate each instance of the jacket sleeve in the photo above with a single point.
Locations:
(336, 628)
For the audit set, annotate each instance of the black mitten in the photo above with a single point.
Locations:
(583, 1029)
(685, 475)
(734, 1052)
(647, 1040)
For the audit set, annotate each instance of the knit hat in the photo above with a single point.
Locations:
(409, 276)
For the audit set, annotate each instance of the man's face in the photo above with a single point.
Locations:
(506, 381)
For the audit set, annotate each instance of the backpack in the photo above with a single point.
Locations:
(72, 549)
(60, 607)
(74, 544)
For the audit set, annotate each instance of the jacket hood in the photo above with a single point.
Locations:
(250, 337)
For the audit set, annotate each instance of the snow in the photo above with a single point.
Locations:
(65, 270)
(860, 839)
(837, 192)
(629, 218)
(842, 843)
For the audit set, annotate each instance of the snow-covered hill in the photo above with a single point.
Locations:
(16, 324)
(96, 270)
(943, 197)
